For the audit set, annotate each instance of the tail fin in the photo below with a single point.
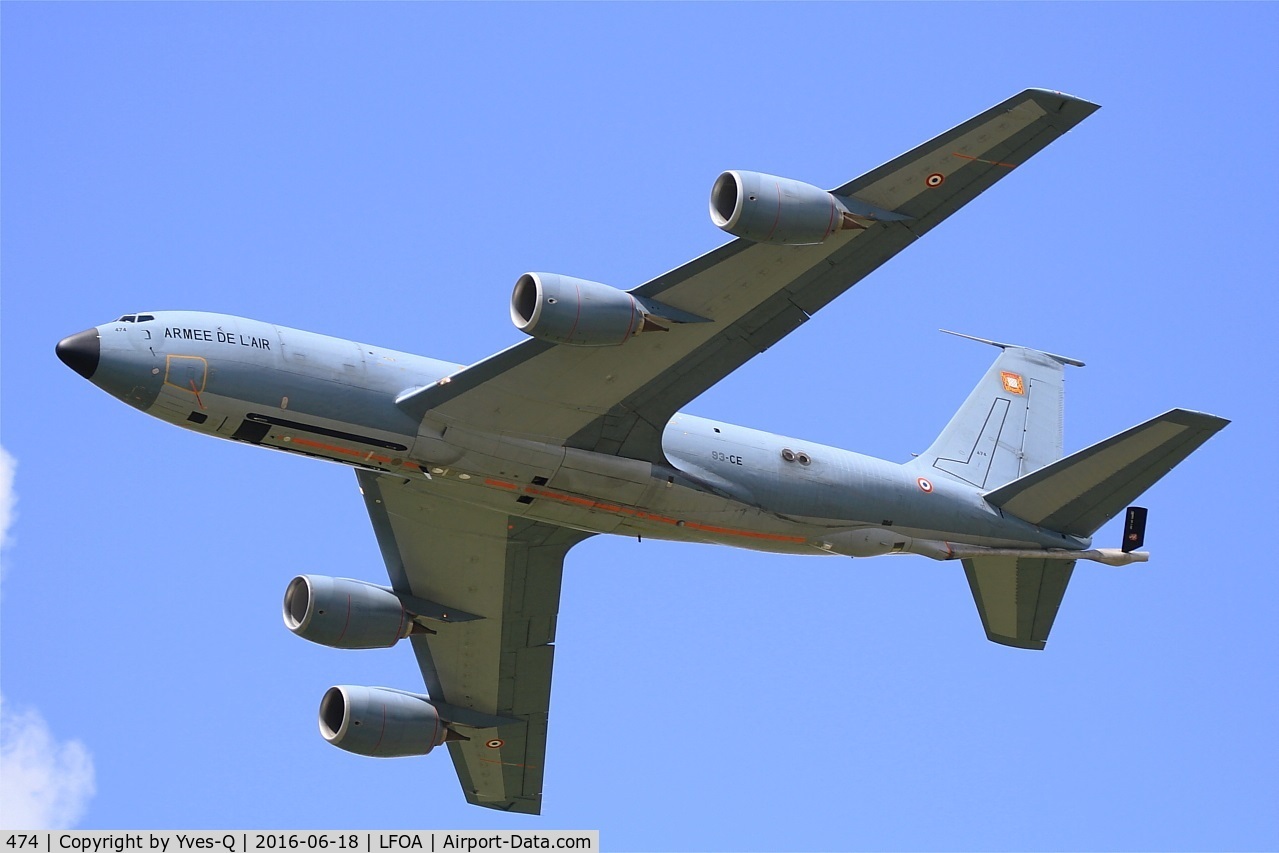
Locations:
(1080, 493)
(1011, 423)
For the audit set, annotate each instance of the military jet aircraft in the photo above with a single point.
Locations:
(478, 480)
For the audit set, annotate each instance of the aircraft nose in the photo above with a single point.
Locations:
(81, 352)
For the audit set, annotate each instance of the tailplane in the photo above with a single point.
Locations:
(1018, 596)
(1011, 423)
(1080, 493)
(1006, 439)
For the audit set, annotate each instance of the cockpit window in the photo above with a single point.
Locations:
(142, 318)
(128, 318)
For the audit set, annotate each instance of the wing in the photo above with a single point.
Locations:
(506, 570)
(1018, 597)
(619, 399)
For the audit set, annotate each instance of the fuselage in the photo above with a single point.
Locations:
(333, 399)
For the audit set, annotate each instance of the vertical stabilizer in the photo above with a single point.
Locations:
(1011, 423)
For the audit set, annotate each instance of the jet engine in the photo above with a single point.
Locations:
(343, 613)
(768, 209)
(379, 722)
(567, 310)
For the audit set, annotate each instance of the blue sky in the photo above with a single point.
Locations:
(386, 172)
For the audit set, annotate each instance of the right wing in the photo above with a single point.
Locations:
(618, 399)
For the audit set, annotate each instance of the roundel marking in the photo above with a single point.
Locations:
(495, 743)
(935, 180)
(925, 485)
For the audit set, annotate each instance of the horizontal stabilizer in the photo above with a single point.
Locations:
(1018, 597)
(1078, 494)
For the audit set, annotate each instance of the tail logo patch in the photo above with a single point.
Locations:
(1013, 382)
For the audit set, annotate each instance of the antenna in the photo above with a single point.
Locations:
(1063, 359)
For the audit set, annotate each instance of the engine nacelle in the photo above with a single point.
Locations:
(344, 613)
(567, 310)
(768, 209)
(379, 722)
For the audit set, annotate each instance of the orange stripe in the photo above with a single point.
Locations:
(648, 516)
(333, 448)
(613, 509)
(508, 763)
(979, 160)
(776, 537)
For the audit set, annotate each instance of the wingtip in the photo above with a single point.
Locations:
(518, 805)
(1017, 642)
(1063, 96)
(1190, 417)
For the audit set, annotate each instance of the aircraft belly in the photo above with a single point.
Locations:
(236, 399)
(673, 512)
(677, 513)
(602, 494)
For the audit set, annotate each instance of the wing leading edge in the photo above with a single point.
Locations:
(618, 399)
(506, 570)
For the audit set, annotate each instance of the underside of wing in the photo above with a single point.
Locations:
(618, 399)
(506, 571)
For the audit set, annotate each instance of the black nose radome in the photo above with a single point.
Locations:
(81, 352)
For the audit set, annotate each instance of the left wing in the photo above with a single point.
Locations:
(618, 399)
(506, 570)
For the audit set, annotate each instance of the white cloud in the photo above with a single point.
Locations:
(44, 784)
(7, 495)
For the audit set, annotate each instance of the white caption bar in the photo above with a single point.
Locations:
(282, 841)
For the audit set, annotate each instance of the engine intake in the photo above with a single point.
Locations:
(344, 613)
(380, 722)
(768, 209)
